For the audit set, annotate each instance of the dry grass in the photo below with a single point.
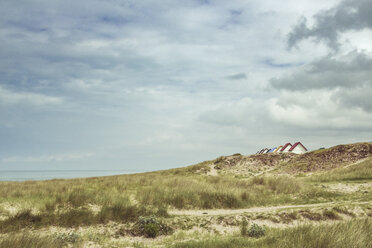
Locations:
(176, 188)
(360, 171)
(124, 199)
(355, 233)
(30, 241)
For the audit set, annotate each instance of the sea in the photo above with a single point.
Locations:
(32, 175)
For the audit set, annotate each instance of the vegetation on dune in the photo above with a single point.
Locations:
(189, 187)
(354, 233)
(137, 205)
(328, 159)
(31, 241)
(150, 227)
(359, 171)
(156, 190)
(73, 217)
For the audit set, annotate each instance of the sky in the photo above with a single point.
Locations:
(147, 85)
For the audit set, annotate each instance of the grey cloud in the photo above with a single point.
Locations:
(355, 98)
(237, 76)
(330, 93)
(350, 71)
(8, 97)
(348, 15)
(319, 109)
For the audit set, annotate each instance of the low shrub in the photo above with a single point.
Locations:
(256, 231)
(151, 230)
(150, 227)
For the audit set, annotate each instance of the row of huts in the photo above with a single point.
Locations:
(297, 147)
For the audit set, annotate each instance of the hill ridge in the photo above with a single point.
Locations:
(313, 161)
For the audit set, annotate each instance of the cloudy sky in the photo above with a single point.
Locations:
(145, 85)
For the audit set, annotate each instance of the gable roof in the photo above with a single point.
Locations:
(296, 144)
(285, 146)
(272, 149)
(277, 149)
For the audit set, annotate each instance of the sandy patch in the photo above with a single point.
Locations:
(241, 211)
(212, 171)
(11, 209)
(349, 187)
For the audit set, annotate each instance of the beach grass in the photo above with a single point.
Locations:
(354, 233)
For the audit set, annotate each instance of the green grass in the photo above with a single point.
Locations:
(118, 212)
(31, 241)
(354, 233)
(178, 188)
(64, 202)
(123, 200)
(358, 172)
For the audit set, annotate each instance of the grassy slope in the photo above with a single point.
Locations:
(182, 190)
(355, 233)
(125, 198)
(357, 172)
(328, 159)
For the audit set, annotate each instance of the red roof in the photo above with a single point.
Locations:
(296, 144)
(285, 146)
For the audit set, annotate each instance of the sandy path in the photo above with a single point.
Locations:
(213, 171)
(357, 162)
(253, 210)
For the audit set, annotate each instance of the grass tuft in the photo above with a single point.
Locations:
(30, 241)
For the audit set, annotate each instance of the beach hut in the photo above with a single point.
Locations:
(260, 152)
(272, 150)
(286, 147)
(278, 149)
(298, 148)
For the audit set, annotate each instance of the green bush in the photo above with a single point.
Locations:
(150, 227)
(256, 231)
(151, 230)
